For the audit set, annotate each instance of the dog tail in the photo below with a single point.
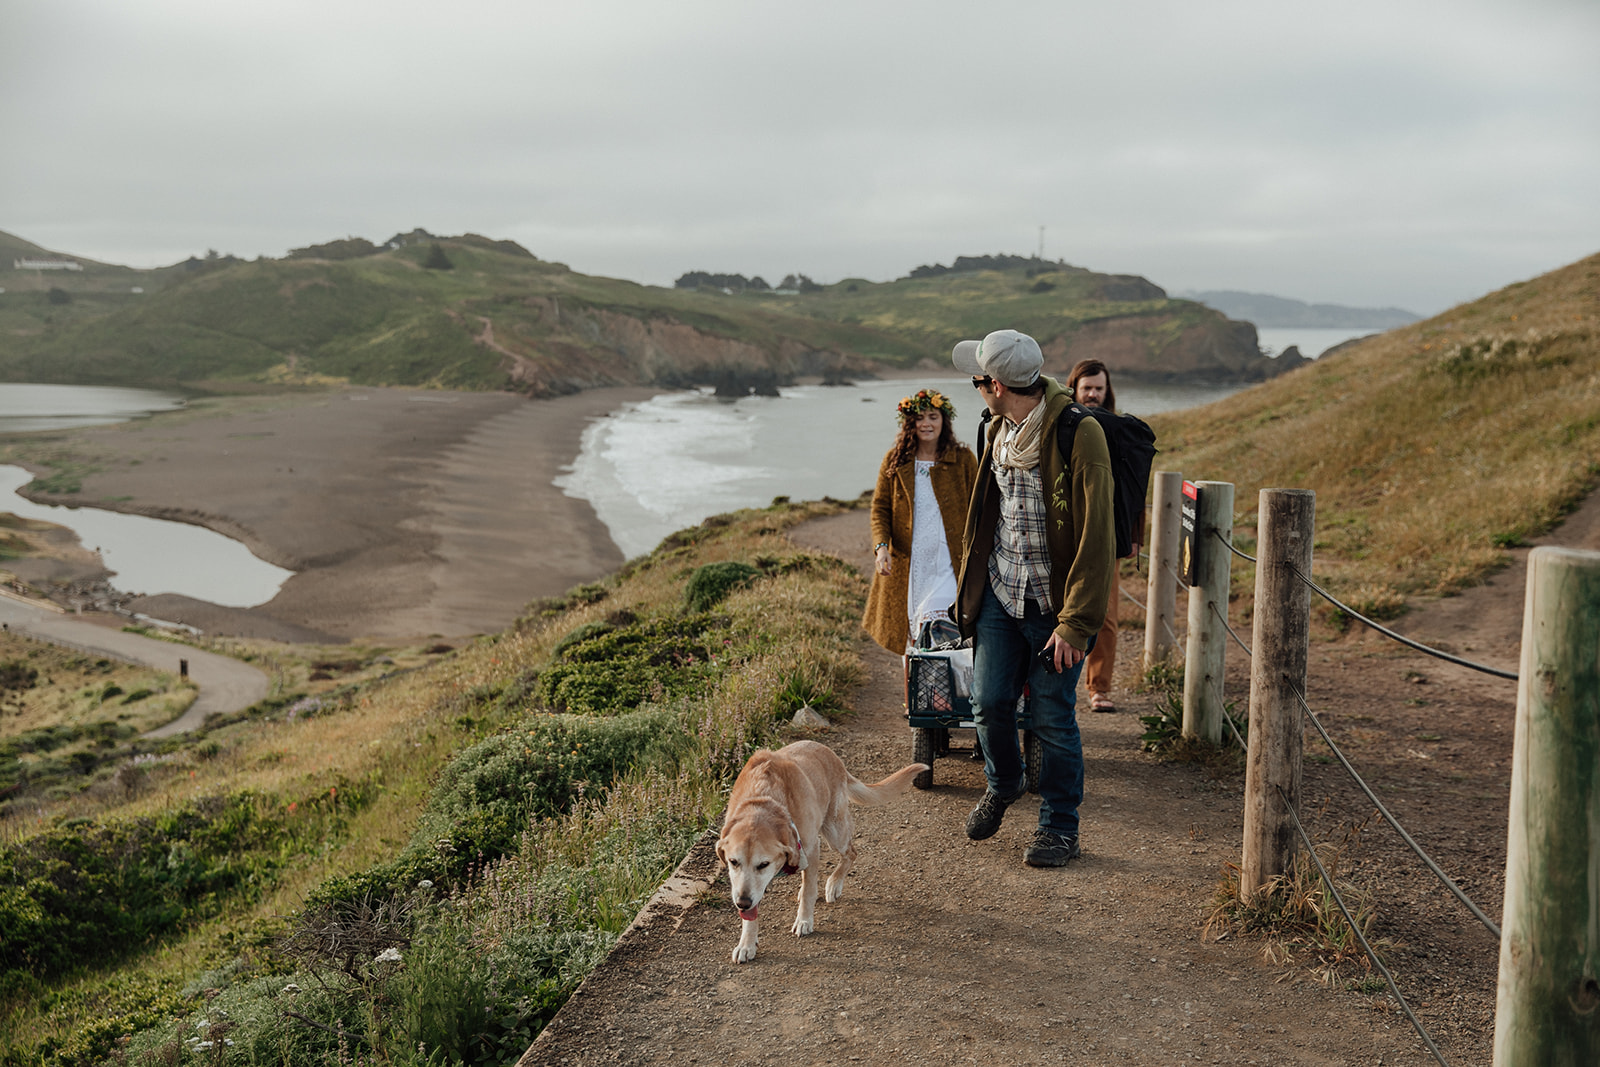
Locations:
(886, 790)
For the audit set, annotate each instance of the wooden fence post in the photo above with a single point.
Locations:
(1548, 1008)
(1281, 644)
(1208, 639)
(1161, 592)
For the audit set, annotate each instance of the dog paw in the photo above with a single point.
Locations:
(802, 927)
(744, 953)
(834, 890)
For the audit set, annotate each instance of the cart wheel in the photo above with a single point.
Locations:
(923, 745)
(1032, 757)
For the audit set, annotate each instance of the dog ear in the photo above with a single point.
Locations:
(795, 858)
(720, 855)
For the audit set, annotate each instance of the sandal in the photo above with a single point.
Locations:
(1101, 702)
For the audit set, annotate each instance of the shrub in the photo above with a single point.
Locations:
(610, 670)
(711, 584)
(85, 890)
(437, 260)
(488, 793)
(15, 674)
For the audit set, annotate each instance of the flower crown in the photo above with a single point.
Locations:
(923, 402)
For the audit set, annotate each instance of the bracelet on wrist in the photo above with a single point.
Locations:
(880, 544)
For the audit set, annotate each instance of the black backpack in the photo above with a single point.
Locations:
(1132, 444)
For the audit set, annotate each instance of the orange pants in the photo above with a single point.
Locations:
(1102, 661)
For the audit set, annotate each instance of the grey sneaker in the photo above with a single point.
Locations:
(1050, 849)
(985, 818)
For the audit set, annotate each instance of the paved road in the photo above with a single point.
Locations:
(225, 684)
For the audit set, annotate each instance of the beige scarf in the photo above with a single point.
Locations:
(1018, 448)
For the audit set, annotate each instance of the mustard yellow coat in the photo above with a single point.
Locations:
(894, 506)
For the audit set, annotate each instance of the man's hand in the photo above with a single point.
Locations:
(880, 561)
(1063, 655)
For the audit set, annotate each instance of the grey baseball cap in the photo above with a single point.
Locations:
(1009, 357)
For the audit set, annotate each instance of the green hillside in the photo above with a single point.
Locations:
(1432, 448)
(499, 318)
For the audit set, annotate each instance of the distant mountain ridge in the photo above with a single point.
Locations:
(471, 312)
(1263, 309)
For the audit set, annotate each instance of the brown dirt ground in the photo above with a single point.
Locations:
(405, 513)
(944, 950)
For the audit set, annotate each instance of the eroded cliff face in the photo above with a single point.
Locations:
(1166, 347)
(558, 347)
(574, 348)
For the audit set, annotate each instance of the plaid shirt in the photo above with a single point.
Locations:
(1019, 565)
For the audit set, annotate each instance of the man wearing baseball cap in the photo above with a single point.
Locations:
(1040, 545)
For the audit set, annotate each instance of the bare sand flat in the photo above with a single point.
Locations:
(405, 513)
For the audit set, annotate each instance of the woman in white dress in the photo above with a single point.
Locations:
(918, 511)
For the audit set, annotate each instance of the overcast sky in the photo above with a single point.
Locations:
(1407, 152)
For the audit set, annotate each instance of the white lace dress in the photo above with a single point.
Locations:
(931, 587)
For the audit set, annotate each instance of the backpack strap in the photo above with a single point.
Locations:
(1067, 432)
(983, 429)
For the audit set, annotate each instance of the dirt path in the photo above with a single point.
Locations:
(949, 951)
(225, 683)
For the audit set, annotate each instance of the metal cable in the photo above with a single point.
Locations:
(1218, 535)
(1394, 990)
(1449, 882)
(1212, 605)
(1354, 614)
(1131, 597)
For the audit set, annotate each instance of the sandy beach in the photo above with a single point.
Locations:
(404, 513)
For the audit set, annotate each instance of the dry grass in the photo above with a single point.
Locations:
(1431, 448)
(793, 631)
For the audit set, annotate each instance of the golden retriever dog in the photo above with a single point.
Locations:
(783, 806)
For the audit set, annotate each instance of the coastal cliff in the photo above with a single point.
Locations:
(469, 312)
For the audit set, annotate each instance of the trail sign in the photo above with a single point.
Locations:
(1188, 509)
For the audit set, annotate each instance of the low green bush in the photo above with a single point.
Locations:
(488, 793)
(613, 670)
(87, 890)
(710, 585)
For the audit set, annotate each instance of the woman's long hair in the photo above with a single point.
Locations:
(905, 446)
(1088, 368)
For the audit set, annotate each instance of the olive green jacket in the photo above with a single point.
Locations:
(1080, 529)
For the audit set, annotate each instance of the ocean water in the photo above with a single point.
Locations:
(26, 407)
(1313, 341)
(657, 466)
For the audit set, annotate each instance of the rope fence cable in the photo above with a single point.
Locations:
(1457, 891)
(1354, 614)
(1242, 555)
(1372, 955)
(1231, 634)
(1131, 597)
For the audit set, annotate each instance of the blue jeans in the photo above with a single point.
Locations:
(1004, 656)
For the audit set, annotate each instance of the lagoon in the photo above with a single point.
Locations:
(153, 556)
(657, 466)
(29, 407)
(148, 555)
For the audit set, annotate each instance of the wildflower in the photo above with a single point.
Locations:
(388, 955)
(426, 883)
(291, 989)
(293, 806)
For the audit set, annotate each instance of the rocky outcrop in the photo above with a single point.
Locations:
(1167, 346)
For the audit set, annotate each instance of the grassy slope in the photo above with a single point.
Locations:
(384, 320)
(1432, 447)
(1427, 446)
(790, 640)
